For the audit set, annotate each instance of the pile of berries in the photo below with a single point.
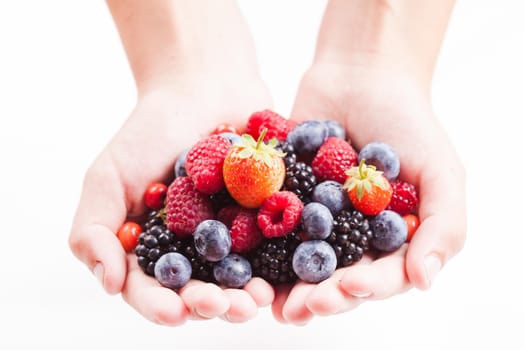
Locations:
(284, 201)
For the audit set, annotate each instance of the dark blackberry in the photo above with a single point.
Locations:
(201, 269)
(350, 237)
(272, 259)
(221, 199)
(300, 179)
(290, 157)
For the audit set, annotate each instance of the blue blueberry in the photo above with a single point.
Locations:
(332, 195)
(308, 136)
(317, 221)
(180, 164)
(314, 261)
(335, 129)
(383, 157)
(233, 138)
(234, 271)
(389, 231)
(173, 270)
(212, 240)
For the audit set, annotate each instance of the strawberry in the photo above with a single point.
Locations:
(332, 159)
(404, 197)
(242, 222)
(277, 126)
(204, 163)
(368, 189)
(253, 170)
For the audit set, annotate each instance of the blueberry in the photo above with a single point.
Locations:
(335, 129)
(173, 270)
(317, 221)
(314, 261)
(233, 138)
(180, 164)
(383, 157)
(233, 271)
(332, 195)
(212, 240)
(308, 136)
(389, 231)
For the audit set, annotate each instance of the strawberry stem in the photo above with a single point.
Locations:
(362, 167)
(261, 137)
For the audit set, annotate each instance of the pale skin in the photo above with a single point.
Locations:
(194, 66)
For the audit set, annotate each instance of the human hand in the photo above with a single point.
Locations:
(166, 120)
(376, 103)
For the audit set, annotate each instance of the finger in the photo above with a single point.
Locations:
(242, 306)
(100, 212)
(294, 309)
(156, 303)
(281, 294)
(260, 291)
(204, 300)
(441, 233)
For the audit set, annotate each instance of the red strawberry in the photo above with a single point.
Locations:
(333, 158)
(280, 214)
(186, 207)
(277, 126)
(404, 197)
(204, 163)
(368, 189)
(242, 222)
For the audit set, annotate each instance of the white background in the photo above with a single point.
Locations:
(65, 88)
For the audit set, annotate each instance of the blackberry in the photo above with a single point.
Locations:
(201, 269)
(350, 237)
(290, 157)
(221, 200)
(272, 259)
(300, 179)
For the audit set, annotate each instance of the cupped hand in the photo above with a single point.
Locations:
(379, 104)
(166, 120)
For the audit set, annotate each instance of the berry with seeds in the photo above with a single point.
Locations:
(128, 235)
(335, 129)
(234, 271)
(244, 232)
(212, 240)
(308, 136)
(390, 231)
(383, 157)
(412, 222)
(186, 207)
(221, 200)
(350, 237)
(280, 214)
(368, 190)
(224, 128)
(173, 270)
(332, 195)
(253, 171)
(314, 261)
(180, 164)
(332, 159)
(290, 157)
(155, 195)
(204, 163)
(317, 221)
(277, 126)
(300, 180)
(404, 198)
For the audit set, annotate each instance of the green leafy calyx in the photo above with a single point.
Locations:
(258, 150)
(363, 178)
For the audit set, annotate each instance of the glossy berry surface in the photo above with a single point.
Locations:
(277, 126)
(317, 221)
(390, 231)
(300, 180)
(155, 195)
(383, 157)
(335, 129)
(128, 235)
(180, 164)
(234, 271)
(314, 261)
(308, 136)
(332, 195)
(212, 240)
(173, 270)
(233, 138)
(412, 222)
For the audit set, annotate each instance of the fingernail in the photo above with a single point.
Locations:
(432, 267)
(98, 271)
(359, 294)
(202, 314)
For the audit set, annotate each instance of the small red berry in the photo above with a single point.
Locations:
(155, 195)
(404, 198)
(412, 223)
(128, 235)
(224, 127)
(280, 214)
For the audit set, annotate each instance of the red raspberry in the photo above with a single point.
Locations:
(404, 198)
(333, 158)
(242, 223)
(186, 207)
(204, 163)
(277, 126)
(280, 214)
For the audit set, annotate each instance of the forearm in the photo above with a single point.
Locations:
(399, 34)
(168, 38)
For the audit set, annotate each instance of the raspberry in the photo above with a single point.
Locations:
(204, 163)
(404, 198)
(277, 126)
(242, 223)
(333, 158)
(186, 207)
(280, 214)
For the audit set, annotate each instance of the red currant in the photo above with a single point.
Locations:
(155, 195)
(412, 223)
(128, 235)
(225, 127)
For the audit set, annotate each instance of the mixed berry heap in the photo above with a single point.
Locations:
(281, 201)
